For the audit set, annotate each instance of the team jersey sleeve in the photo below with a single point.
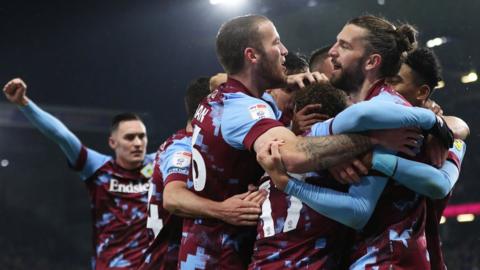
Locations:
(174, 162)
(88, 162)
(53, 129)
(321, 128)
(352, 209)
(245, 119)
(379, 114)
(85, 160)
(420, 177)
(151, 156)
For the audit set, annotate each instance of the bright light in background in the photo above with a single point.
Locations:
(436, 42)
(470, 77)
(465, 218)
(4, 163)
(442, 220)
(312, 3)
(227, 2)
(440, 84)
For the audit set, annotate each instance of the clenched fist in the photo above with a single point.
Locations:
(15, 91)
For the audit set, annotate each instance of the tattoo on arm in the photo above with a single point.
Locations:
(329, 151)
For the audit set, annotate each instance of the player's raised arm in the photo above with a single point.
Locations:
(54, 129)
(15, 92)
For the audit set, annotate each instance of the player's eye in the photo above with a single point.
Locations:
(130, 137)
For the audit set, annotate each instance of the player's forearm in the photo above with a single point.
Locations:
(316, 153)
(52, 128)
(178, 200)
(352, 209)
(372, 115)
(419, 177)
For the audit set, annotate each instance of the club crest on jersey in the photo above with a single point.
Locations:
(181, 159)
(259, 111)
(116, 186)
(147, 171)
(458, 144)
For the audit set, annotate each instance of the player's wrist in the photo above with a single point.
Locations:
(280, 181)
(24, 102)
(216, 210)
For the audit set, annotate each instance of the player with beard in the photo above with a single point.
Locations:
(368, 50)
(283, 97)
(117, 187)
(380, 244)
(233, 121)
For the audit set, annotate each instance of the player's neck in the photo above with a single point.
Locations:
(128, 165)
(189, 127)
(250, 83)
(363, 91)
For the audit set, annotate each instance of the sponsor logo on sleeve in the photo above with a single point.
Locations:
(259, 111)
(181, 159)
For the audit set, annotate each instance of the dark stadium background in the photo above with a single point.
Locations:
(86, 60)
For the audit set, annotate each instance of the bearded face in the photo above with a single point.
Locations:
(348, 76)
(272, 70)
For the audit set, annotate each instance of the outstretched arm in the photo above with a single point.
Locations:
(87, 161)
(352, 209)
(15, 91)
(375, 114)
(420, 177)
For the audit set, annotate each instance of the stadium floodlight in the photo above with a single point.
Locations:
(470, 77)
(436, 42)
(465, 218)
(440, 84)
(226, 2)
(4, 162)
(442, 220)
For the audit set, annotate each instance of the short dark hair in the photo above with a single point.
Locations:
(295, 63)
(197, 90)
(426, 67)
(391, 42)
(234, 37)
(122, 117)
(333, 100)
(318, 55)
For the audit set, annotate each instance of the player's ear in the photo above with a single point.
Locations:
(423, 92)
(373, 61)
(250, 55)
(112, 142)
